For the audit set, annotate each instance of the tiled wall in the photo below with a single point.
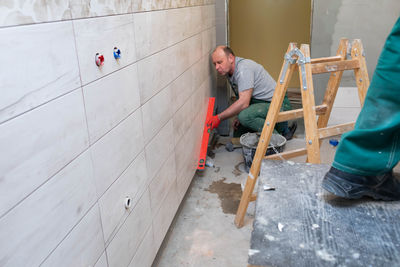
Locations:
(76, 140)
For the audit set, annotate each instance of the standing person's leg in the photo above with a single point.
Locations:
(366, 156)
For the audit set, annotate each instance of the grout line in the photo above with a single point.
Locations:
(140, 243)
(69, 232)
(101, 16)
(108, 74)
(80, 78)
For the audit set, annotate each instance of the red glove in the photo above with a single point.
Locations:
(213, 122)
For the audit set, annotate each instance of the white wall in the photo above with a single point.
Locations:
(76, 139)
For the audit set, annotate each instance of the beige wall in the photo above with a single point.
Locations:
(262, 29)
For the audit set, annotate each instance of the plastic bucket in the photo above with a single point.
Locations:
(249, 142)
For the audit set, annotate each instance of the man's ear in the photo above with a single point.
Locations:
(231, 57)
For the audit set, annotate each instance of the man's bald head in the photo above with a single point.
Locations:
(224, 60)
(227, 50)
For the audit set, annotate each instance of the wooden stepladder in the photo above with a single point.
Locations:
(348, 57)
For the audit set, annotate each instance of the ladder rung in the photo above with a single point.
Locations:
(298, 113)
(288, 154)
(253, 197)
(335, 130)
(325, 59)
(335, 66)
(322, 134)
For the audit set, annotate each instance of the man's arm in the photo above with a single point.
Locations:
(242, 103)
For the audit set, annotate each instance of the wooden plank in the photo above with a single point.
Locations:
(310, 118)
(335, 130)
(288, 154)
(361, 74)
(335, 66)
(265, 137)
(325, 59)
(298, 113)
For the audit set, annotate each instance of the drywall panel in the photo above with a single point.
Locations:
(38, 144)
(24, 85)
(353, 19)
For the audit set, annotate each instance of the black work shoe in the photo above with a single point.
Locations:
(292, 129)
(346, 185)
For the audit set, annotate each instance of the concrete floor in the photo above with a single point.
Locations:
(203, 232)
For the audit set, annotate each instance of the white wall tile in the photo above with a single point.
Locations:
(132, 183)
(161, 183)
(125, 243)
(208, 41)
(23, 12)
(102, 262)
(83, 246)
(113, 153)
(157, 30)
(159, 149)
(23, 84)
(38, 144)
(110, 100)
(162, 220)
(146, 252)
(156, 112)
(182, 88)
(208, 16)
(93, 8)
(153, 76)
(176, 59)
(101, 35)
(30, 231)
(182, 120)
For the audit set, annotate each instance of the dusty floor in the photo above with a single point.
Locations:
(203, 232)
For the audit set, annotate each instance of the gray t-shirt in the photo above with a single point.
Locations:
(249, 74)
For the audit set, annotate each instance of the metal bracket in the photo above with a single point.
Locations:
(300, 61)
(288, 60)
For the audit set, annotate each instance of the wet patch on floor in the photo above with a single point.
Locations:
(237, 172)
(229, 195)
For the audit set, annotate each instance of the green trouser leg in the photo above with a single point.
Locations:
(373, 147)
(252, 119)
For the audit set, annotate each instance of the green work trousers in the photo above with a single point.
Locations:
(252, 119)
(373, 147)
